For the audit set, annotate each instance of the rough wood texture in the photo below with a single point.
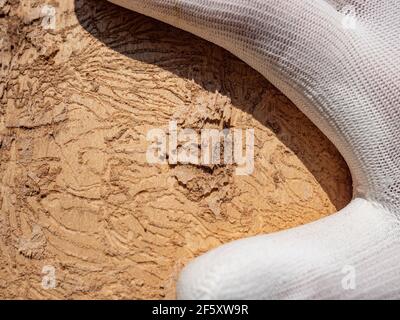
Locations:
(76, 192)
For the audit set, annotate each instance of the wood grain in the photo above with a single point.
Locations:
(76, 191)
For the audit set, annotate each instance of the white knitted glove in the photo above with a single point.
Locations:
(339, 61)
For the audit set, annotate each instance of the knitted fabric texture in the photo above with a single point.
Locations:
(339, 62)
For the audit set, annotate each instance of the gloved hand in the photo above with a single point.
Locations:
(339, 62)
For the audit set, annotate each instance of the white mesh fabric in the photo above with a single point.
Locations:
(347, 81)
